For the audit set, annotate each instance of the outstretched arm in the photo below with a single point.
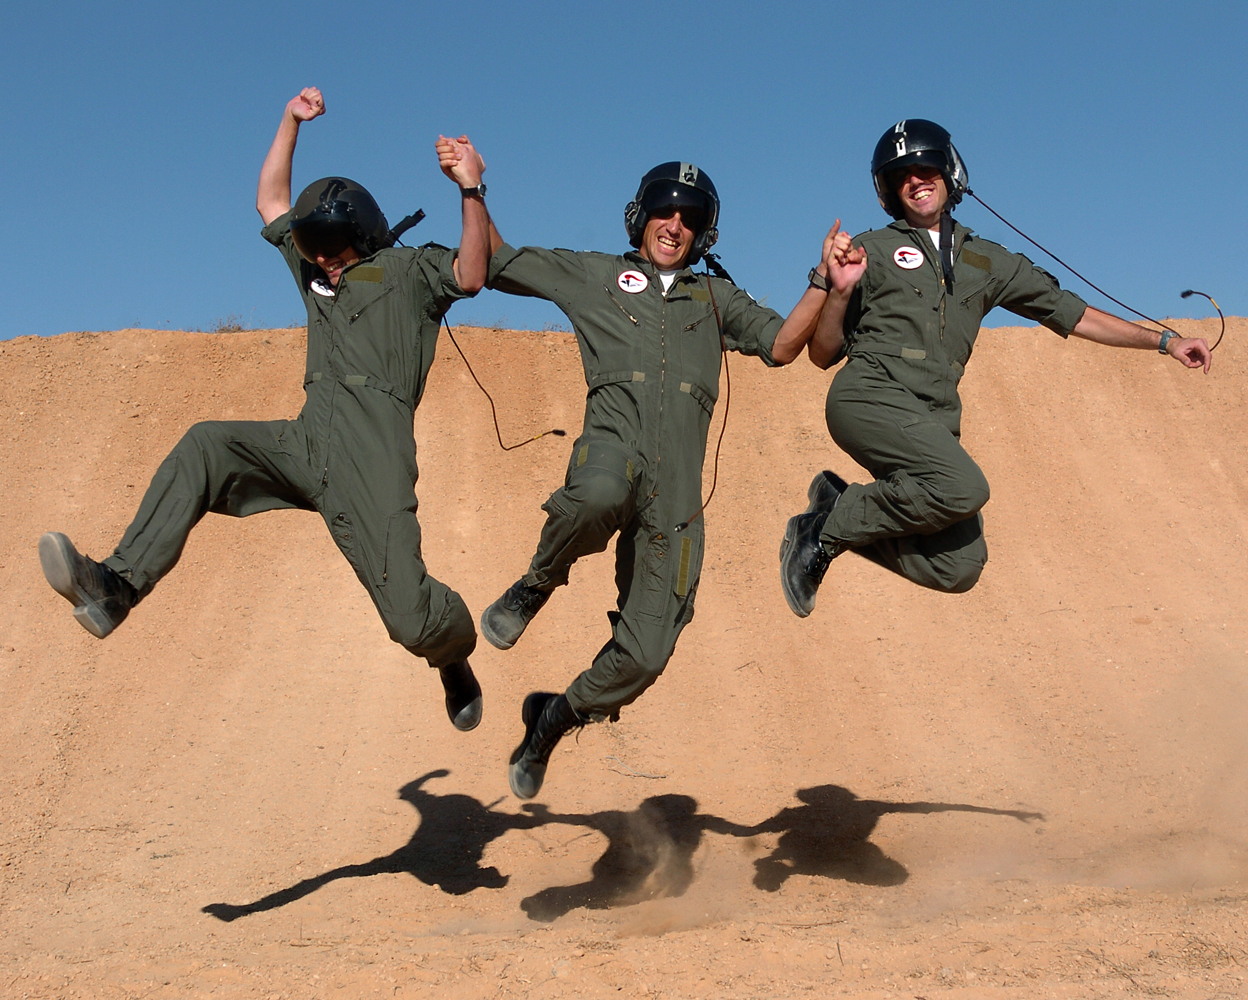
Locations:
(461, 162)
(846, 266)
(800, 324)
(273, 191)
(1105, 328)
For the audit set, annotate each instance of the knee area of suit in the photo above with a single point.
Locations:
(959, 498)
(965, 579)
(200, 437)
(601, 494)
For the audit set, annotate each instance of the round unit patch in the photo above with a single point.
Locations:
(907, 257)
(632, 282)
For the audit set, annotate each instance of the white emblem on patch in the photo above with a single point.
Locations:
(632, 282)
(907, 257)
(322, 287)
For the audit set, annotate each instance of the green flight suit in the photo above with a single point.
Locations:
(350, 455)
(894, 406)
(652, 369)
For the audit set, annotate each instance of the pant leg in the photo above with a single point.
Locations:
(227, 467)
(657, 574)
(920, 517)
(595, 500)
(382, 544)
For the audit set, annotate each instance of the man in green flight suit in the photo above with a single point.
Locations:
(905, 307)
(373, 318)
(649, 330)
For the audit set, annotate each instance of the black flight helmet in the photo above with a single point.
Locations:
(335, 213)
(916, 141)
(676, 185)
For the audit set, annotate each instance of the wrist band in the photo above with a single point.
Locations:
(818, 281)
(1166, 337)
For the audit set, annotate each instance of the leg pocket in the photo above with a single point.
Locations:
(404, 584)
(666, 580)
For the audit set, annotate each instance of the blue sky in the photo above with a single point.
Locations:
(132, 134)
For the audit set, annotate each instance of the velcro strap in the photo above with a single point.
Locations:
(368, 381)
(611, 378)
(701, 395)
(682, 575)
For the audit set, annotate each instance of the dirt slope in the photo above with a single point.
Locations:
(1035, 789)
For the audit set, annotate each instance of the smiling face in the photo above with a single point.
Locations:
(922, 193)
(666, 242)
(334, 266)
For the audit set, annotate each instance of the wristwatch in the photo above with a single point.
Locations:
(473, 192)
(1166, 337)
(818, 281)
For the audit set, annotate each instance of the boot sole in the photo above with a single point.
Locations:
(469, 717)
(57, 555)
(492, 637)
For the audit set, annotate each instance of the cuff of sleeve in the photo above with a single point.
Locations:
(446, 277)
(1067, 315)
(277, 230)
(505, 255)
(767, 341)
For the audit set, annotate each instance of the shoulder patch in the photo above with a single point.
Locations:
(977, 260)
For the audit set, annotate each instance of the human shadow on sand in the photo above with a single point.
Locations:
(650, 850)
(445, 850)
(828, 836)
(649, 853)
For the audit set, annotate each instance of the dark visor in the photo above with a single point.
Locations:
(665, 199)
(325, 238)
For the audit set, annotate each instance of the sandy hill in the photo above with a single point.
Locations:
(1035, 789)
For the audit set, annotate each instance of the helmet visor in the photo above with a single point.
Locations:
(321, 237)
(896, 170)
(664, 199)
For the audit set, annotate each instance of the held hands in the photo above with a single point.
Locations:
(308, 105)
(460, 161)
(844, 263)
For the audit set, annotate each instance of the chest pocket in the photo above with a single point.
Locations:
(975, 292)
(366, 286)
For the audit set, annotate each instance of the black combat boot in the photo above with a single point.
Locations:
(504, 621)
(100, 597)
(463, 695)
(803, 558)
(547, 719)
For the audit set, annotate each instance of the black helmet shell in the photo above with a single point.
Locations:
(682, 185)
(335, 213)
(916, 141)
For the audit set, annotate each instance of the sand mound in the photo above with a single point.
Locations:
(1035, 788)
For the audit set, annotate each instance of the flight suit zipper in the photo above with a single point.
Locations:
(658, 451)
